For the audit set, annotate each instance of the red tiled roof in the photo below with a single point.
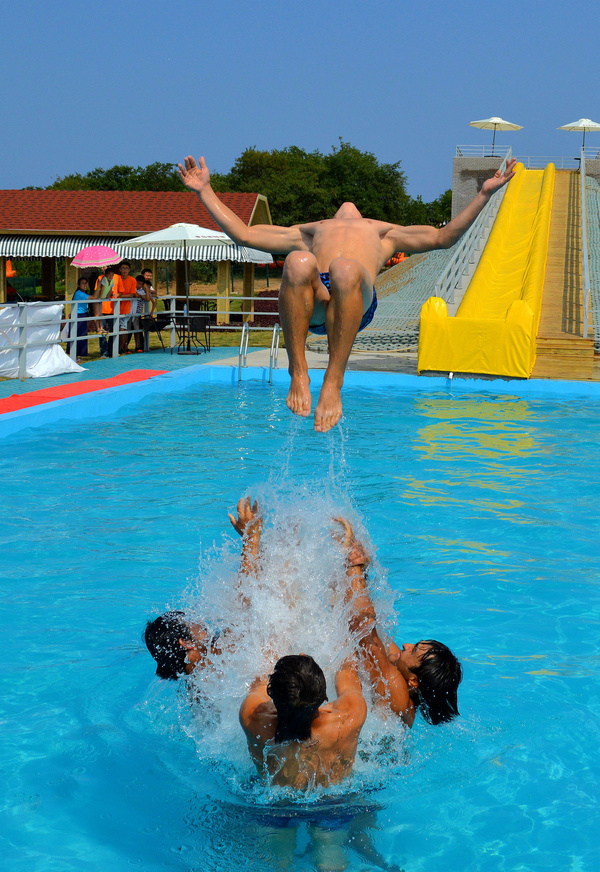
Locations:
(110, 212)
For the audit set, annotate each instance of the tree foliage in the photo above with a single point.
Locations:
(306, 186)
(299, 185)
(155, 177)
(437, 212)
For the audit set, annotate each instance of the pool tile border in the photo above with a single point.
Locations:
(104, 403)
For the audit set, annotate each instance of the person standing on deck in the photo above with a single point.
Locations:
(124, 286)
(329, 274)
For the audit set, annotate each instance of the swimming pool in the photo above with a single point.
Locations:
(483, 509)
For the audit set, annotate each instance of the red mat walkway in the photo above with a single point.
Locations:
(47, 395)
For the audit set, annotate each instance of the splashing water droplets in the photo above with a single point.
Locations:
(293, 604)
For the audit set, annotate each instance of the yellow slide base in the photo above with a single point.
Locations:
(476, 345)
(494, 330)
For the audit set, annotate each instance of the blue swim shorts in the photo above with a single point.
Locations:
(321, 330)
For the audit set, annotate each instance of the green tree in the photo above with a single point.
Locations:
(377, 189)
(437, 212)
(306, 186)
(441, 209)
(291, 179)
(299, 185)
(155, 177)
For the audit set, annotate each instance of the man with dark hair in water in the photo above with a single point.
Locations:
(328, 283)
(179, 645)
(294, 735)
(423, 676)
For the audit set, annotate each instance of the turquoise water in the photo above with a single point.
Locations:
(483, 512)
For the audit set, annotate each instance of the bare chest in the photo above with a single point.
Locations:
(356, 240)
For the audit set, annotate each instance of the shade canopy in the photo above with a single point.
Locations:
(177, 234)
(191, 242)
(96, 255)
(494, 123)
(584, 125)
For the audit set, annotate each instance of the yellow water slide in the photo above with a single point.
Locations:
(494, 330)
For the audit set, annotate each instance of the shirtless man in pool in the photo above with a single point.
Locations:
(295, 736)
(181, 646)
(329, 275)
(422, 676)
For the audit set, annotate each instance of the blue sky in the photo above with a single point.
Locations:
(136, 82)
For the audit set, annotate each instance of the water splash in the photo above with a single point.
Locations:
(297, 606)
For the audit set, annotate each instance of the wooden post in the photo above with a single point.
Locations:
(48, 277)
(71, 279)
(223, 290)
(248, 291)
(2, 279)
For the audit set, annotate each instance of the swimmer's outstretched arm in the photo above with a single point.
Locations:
(423, 238)
(268, 237)
(248, 524)
(387, 682)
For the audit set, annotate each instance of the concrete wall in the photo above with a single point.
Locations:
(468, 175)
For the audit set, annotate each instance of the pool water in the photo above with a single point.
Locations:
(483, 512)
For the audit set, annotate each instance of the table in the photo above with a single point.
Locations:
(190, 328)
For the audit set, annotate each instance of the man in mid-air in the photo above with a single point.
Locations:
(329, 275)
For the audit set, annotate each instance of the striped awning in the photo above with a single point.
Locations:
(35, 247)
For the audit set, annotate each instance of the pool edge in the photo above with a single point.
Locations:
(105, 402)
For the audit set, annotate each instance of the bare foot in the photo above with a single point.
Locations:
(299, 398)
(329, 408)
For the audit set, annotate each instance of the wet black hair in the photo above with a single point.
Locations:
(297, 688)
(140, 278)
(162, 640)
(439, 674)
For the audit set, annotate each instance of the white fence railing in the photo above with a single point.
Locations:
(167, 320)
(540, 162)
(462, 264)
(585, 261)
(482, 151)
(529, 161)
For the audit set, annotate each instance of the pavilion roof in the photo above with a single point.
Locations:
(110, 213)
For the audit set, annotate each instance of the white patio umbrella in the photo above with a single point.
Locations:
(188, 235)
(193, 236)
(584, 124)
(494, 123)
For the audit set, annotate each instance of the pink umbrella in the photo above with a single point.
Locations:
(96, 255)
